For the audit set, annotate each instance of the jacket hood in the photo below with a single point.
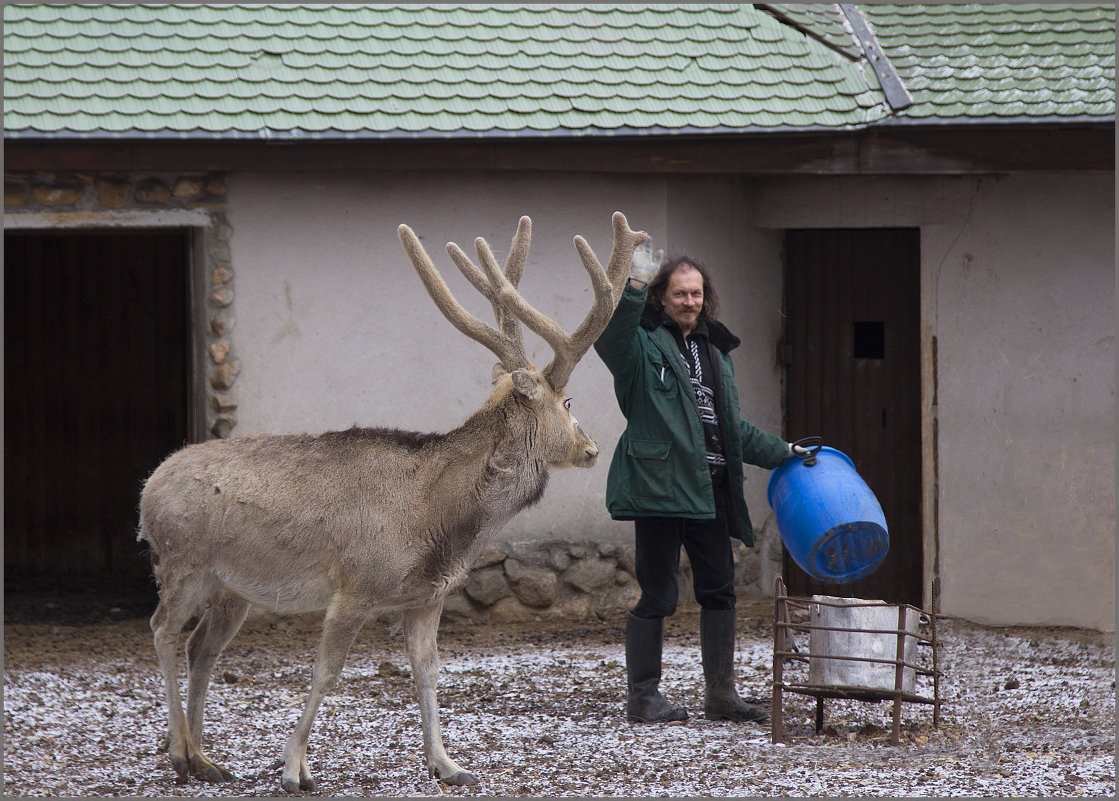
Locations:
(717, 333)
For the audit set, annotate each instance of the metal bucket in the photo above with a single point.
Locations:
(830, 521)
(853, 613)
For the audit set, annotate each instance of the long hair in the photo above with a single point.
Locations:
(659, 284)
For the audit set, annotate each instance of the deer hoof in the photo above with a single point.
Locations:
(217, 774)
(459, 779)
(182, 770)
(290, 785)
(304, 784)
(205, 770)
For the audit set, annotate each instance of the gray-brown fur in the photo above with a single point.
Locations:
(364, 520)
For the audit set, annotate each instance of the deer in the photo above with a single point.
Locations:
(367, 521)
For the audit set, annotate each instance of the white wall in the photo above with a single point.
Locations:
(1027, 404)
(333, 328)
(1018, 285)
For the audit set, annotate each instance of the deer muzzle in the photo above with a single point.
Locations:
(586, 450)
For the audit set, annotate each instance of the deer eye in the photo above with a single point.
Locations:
(567, 404)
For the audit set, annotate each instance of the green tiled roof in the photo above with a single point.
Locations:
(1002, 61)
(290, 71)
(971, 62)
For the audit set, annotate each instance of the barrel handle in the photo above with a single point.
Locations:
(808, 443)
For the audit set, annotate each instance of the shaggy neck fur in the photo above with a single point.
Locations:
(504, 436)
(487, 470)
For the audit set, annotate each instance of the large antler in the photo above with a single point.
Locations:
(607, 285)
(507, 344)
(488, 283)
(500, 288)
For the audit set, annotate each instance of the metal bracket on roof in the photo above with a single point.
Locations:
(849, 54)
(897, 96)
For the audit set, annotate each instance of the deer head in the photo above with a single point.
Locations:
(566, 443)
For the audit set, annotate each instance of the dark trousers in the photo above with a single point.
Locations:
(657, 557)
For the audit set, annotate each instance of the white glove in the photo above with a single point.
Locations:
(799, 450)
(645, 262)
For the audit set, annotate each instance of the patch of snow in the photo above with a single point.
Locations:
(84, 714)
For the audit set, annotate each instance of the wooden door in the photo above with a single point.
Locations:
(97, 376)
(853, 377)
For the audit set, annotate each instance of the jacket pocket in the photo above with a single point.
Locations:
(661, 377)
(652, 472)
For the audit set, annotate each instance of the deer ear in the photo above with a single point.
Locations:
(528, 384)
(499, 372)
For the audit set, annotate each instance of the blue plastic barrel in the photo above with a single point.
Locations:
(830, 521)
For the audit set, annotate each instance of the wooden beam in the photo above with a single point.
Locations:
(883, 151)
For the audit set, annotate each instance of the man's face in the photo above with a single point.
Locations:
(683, 297)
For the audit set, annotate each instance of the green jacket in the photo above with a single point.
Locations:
(660, 467)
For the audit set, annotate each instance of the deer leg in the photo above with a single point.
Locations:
(213, 632)
(343, 622)
(421, 628)
(167, 623)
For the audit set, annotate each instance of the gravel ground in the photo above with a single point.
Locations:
(536, 709)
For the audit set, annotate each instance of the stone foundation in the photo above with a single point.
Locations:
(573, 580)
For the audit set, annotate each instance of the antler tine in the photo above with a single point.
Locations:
(476, 278)
(626, 241)
(518, 251)
(490, 287)
(607, 285)
(514, 269)
(460, 318)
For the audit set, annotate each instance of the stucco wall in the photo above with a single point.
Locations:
(1027, 405)
(334, 329)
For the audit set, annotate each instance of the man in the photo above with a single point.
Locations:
(677, 473)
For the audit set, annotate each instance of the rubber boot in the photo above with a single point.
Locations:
(716, 638)
(644, 703)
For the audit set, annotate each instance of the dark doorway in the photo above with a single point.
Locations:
(854, 379)
(97, 366)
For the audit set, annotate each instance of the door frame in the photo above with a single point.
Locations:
(198, 223)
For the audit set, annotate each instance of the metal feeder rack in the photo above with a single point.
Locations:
(785, 650)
